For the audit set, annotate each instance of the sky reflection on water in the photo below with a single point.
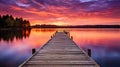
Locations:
(104, 43)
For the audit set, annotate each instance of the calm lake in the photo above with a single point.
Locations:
(16, 46)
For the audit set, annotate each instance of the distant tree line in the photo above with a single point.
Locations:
(76, 26)
(8, 21)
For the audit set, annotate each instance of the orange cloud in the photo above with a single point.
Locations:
(62, 14)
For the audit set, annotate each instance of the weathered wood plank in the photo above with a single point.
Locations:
(58, 65)
(61, 62)
(60, 51)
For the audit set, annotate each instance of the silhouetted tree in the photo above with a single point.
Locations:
(8, 21)
(17, 22)
(26, 23)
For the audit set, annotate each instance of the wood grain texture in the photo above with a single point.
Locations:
(60, 51)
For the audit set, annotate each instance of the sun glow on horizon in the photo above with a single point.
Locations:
(58, 23)
(82, 12)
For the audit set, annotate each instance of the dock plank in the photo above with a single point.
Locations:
(60, 51)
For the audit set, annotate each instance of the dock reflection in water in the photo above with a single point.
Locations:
(15, 46)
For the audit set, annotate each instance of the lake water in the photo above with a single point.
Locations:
(16, 46)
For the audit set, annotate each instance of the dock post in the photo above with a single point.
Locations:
(51, 36)
(89, 52)
(33, 50)
(56, 31)
(67, 33)
(72, 37)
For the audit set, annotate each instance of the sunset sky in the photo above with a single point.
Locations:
(64, 12)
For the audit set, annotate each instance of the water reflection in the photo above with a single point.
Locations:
(9, 35)
(15, 46)
(105, 45)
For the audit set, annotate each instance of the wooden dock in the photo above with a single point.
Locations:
(60, 51)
